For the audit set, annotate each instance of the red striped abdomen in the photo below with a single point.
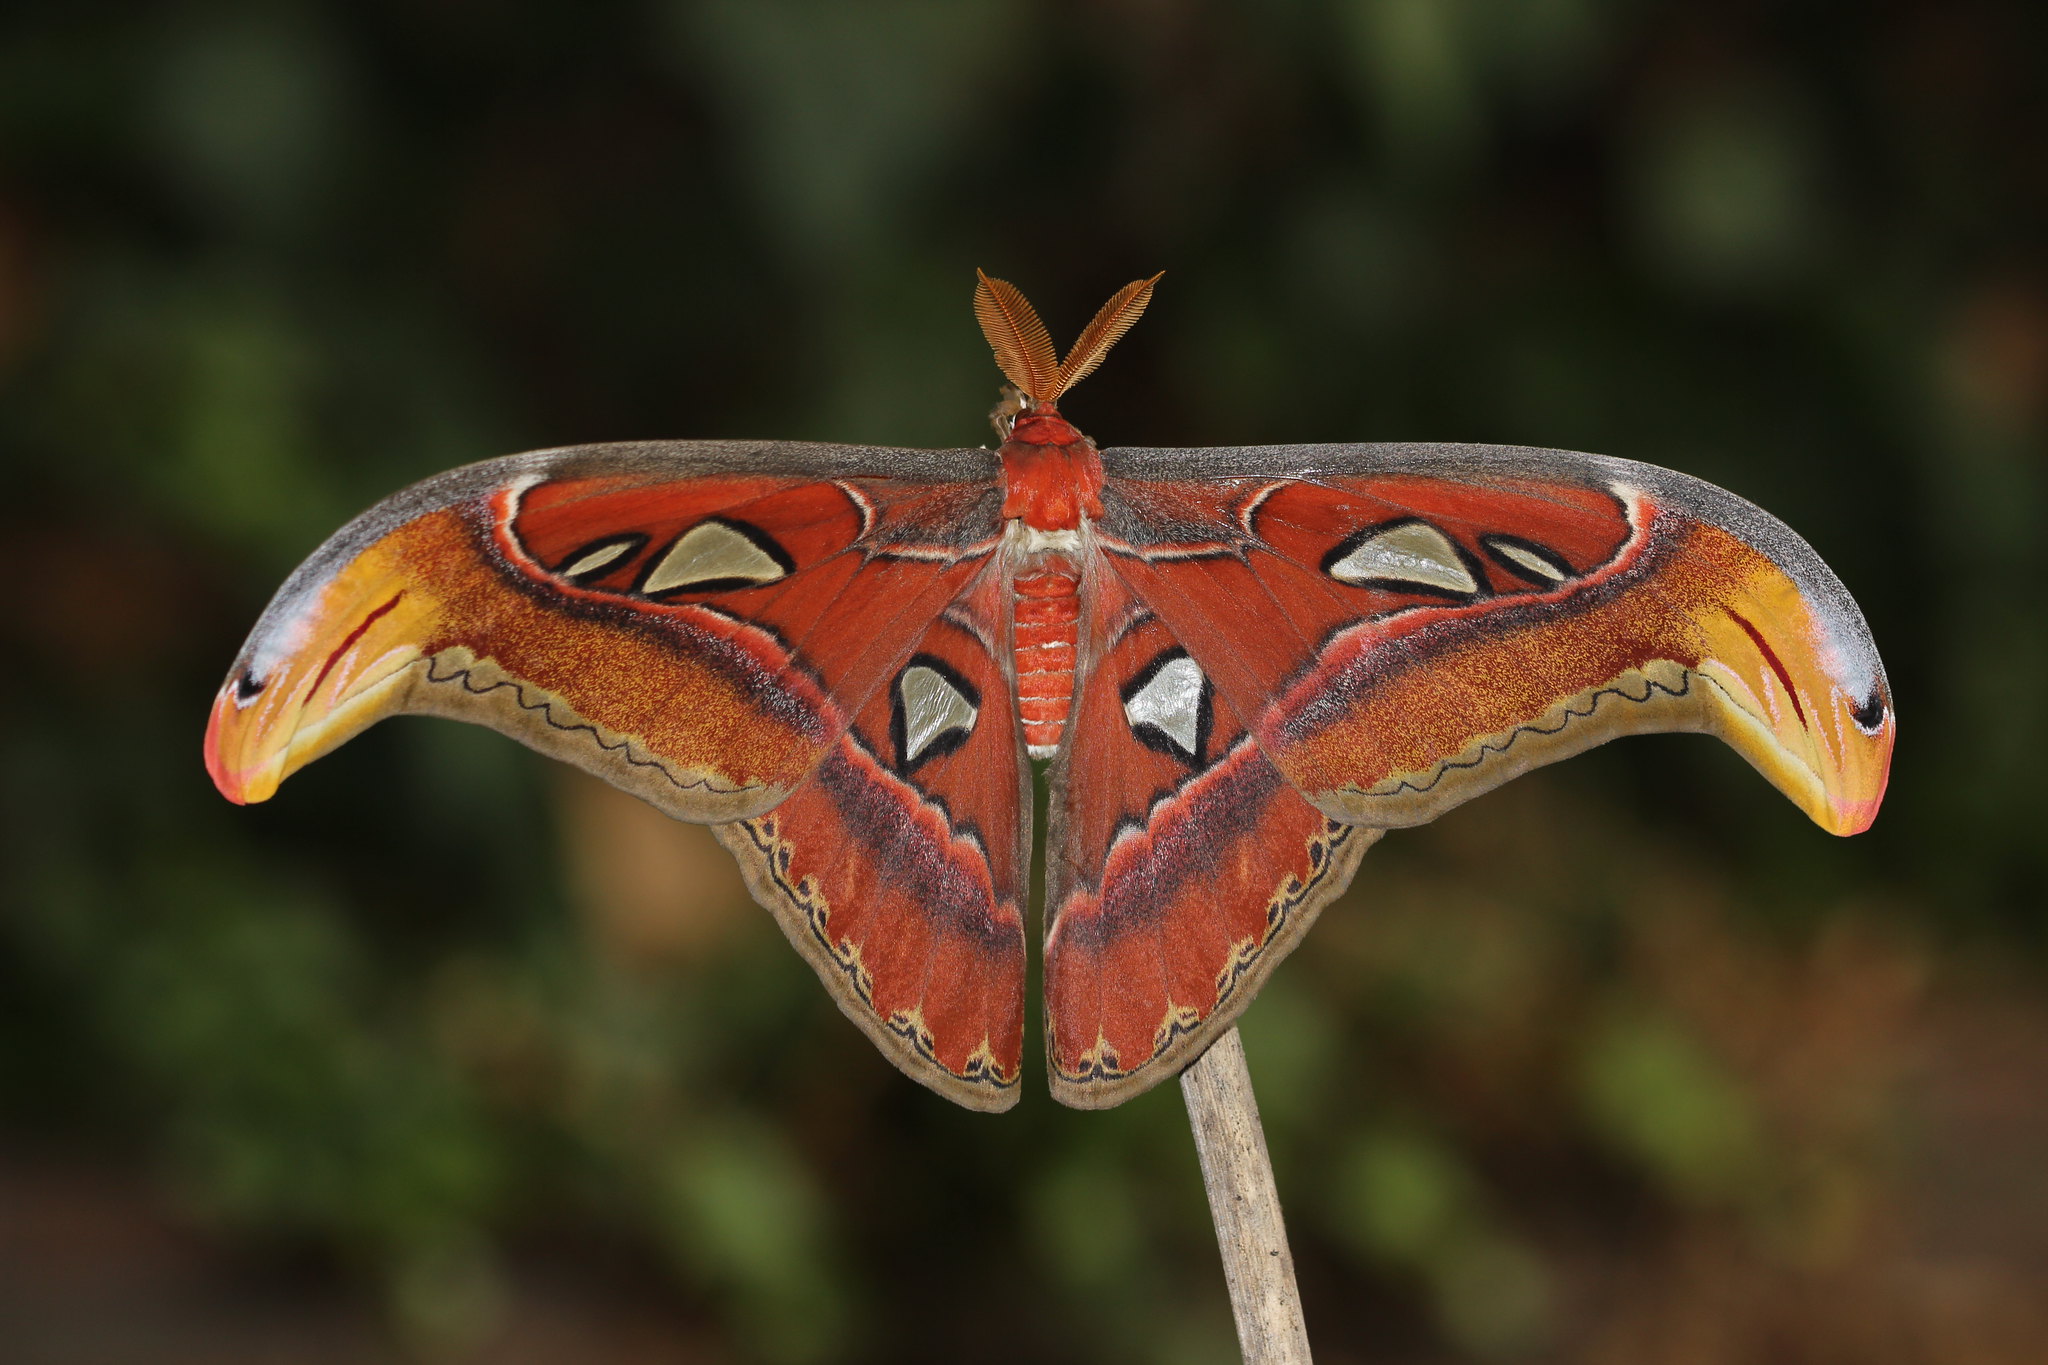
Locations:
(1048, 613)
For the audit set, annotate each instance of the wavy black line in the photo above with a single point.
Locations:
(1487, 749)
(546, 710)
(1279, 910)
(774, 853)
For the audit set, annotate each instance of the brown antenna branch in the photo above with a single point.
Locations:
(1107, 328)
(1024, 350)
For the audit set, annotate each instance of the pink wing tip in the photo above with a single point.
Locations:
(223, 777)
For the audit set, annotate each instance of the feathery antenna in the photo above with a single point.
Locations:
(1105, 331)
(1024, 350)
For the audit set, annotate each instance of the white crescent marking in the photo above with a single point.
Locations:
(708, 552)
(598, 558)
(1412, 552)
(1171, 702)
(932, 708)
(1535, 564)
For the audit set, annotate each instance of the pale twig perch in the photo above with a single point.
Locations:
(1245, 1205)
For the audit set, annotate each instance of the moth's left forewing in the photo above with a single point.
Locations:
(694, 622)
(1408, 627)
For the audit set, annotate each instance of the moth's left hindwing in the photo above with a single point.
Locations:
(898, 869)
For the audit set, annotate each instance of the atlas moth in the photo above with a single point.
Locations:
(1239, 665)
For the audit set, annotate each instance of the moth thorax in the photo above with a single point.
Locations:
(1046, 614)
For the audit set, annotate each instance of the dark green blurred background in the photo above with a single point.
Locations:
(447, 1054)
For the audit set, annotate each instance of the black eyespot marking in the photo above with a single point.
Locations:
(1870, 715)
(247, 687)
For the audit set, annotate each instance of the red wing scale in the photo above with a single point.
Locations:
(1245, 664)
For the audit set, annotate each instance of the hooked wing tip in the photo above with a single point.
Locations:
(223, 781)
(1853, 817)
(1824, 742)
(225, 737)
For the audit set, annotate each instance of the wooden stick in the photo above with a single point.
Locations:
(1245, 1205)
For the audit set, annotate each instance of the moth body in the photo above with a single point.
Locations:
(1046, 615)
(1052, 486)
